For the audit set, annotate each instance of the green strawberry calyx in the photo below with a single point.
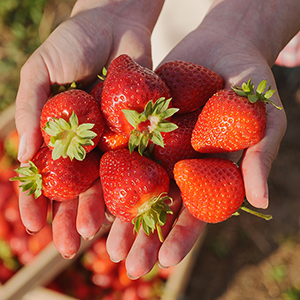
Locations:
(102, 76)
(68, 139)
(56, 88)
(247, 90)
(149, 124)
(153, 215)
(31, 178)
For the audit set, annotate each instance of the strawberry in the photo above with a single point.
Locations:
(135, 189)
(135, 102)
(177, 143)
(66, 122)
(96, 92)
(111, 140)
(212, 189)
(232, 120)
(190, 85)
(60, 179)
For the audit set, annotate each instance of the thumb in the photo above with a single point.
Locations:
(258, 159)
(33, 93)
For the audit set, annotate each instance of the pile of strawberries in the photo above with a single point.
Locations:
(138, 130)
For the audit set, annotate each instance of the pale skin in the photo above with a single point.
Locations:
(237, 39)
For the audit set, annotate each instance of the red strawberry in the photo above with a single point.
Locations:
(190, 85)
(96, 92)
(135, 102)
(232, 120)
(60, 179)
(135, 189)
(66, 122)
(177, 143)
(111, 140)
(212, 189)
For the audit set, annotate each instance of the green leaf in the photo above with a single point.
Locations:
(269, 93)
(137, 223)
(134, 140)
(162, 218)
(169, 113)
(157, 138)
(261, 87)
(149, 221)
(253, 98)
(132, 116)
(148, 110)
(166, 127)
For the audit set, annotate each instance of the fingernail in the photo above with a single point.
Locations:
(89, 238)
(132, 277)
(109, 217)
(22, 147)
(115, 260)
(161, 266)
(31, 232)
(68, 256)
(266, 196)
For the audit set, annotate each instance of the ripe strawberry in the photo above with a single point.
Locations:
(96, 92)
(60, 179)
(177, 143)
(232, 120)
(66, 122)
(111, 140)
(212, 189)
(135, 189)
(190, 85)
(135, 102)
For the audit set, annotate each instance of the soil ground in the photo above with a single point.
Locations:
(247, 258)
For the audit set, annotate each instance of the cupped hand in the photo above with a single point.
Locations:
(237, 60)
(77, 50)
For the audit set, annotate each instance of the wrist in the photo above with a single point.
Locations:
(265, 25)
(142, 11)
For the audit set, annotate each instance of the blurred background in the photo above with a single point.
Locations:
(242, 258)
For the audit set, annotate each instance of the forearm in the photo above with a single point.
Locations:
(268, 24)
(137, 11)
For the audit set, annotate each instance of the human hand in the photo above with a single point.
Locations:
(238, 49)
(77, 50)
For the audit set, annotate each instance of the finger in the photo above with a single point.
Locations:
(187, 229)
(144, 251)
(65, 236)
(120, 240)
(258, 159)
(32, 94)
(90, 211)
(33, 211)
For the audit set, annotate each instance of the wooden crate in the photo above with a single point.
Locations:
(28, 282)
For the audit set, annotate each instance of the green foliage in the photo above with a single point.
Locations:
(19, 37)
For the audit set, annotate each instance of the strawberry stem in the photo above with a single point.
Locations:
(255, 213)
(159, 233)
